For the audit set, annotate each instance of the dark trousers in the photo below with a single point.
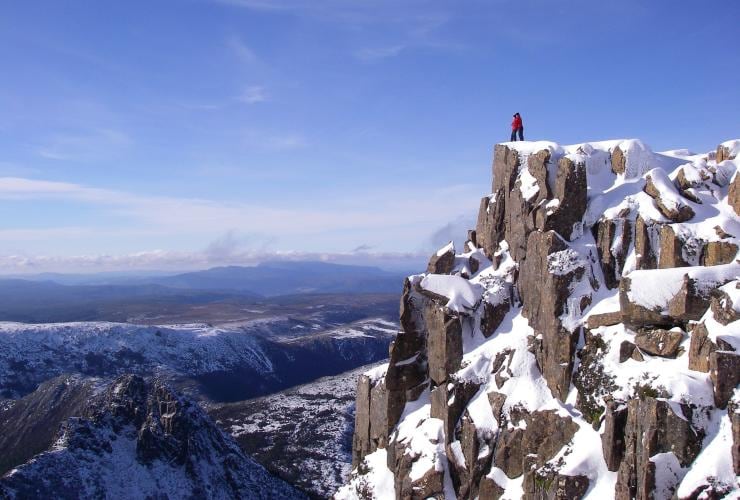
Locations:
(520, 130)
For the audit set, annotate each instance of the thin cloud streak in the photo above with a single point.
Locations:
(163, 260)
(361, 211)
(253, 94)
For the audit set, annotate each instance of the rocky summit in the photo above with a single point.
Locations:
(133, 438)
(584, 342)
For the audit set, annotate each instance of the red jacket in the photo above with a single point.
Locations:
(516, 123)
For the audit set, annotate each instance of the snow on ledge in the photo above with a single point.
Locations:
(462, 294)
(654, 288)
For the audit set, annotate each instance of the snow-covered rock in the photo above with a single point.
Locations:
(604, 369)
(139, 439)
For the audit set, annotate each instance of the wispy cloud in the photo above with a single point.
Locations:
(164, 260)
(273, 141)
(12, 169)
(377, 53)
(253, 94)
(372, 217)
(242, 51)
(86, 145)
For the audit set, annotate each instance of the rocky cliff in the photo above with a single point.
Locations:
(129, 438)
(584, 342)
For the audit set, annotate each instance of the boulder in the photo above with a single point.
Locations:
(723, 309)
(443, 261)
(724, 370)
(659, 342)
(489, 489)
(495, 308)
(619, 161)
(700, 347)
(716, 253)
(626, 351)
(691, 301)
(603, 319)
(667, 198)
(429, 485)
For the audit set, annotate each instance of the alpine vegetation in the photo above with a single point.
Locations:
(583, 342)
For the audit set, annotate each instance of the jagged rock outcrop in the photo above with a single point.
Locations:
(138, 439)
(653, 428)
(591, 293)
(29, 426)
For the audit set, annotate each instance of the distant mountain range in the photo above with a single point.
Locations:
(116, 297)
(284, 278)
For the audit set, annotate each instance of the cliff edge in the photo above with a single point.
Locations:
(584, 342)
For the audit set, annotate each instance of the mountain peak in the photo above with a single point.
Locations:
(596, 302)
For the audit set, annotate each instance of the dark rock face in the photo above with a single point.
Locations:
(590, 380)
(444, 343)
(718, 252)
(544, 294)
(612, 439)
(733, 196)
(528, 327)
(378, 409)
(645, 253)
(476, 458)
(734, 412)
(652, 427)
(509, 456)
(724, 370)
(570, 191)
(29, 426)
(549, 485)
(670, 249)
(613, 238)
(156, 441)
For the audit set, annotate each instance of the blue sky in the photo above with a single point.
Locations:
(180, 134)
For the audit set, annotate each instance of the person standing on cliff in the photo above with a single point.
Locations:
(517, 127)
